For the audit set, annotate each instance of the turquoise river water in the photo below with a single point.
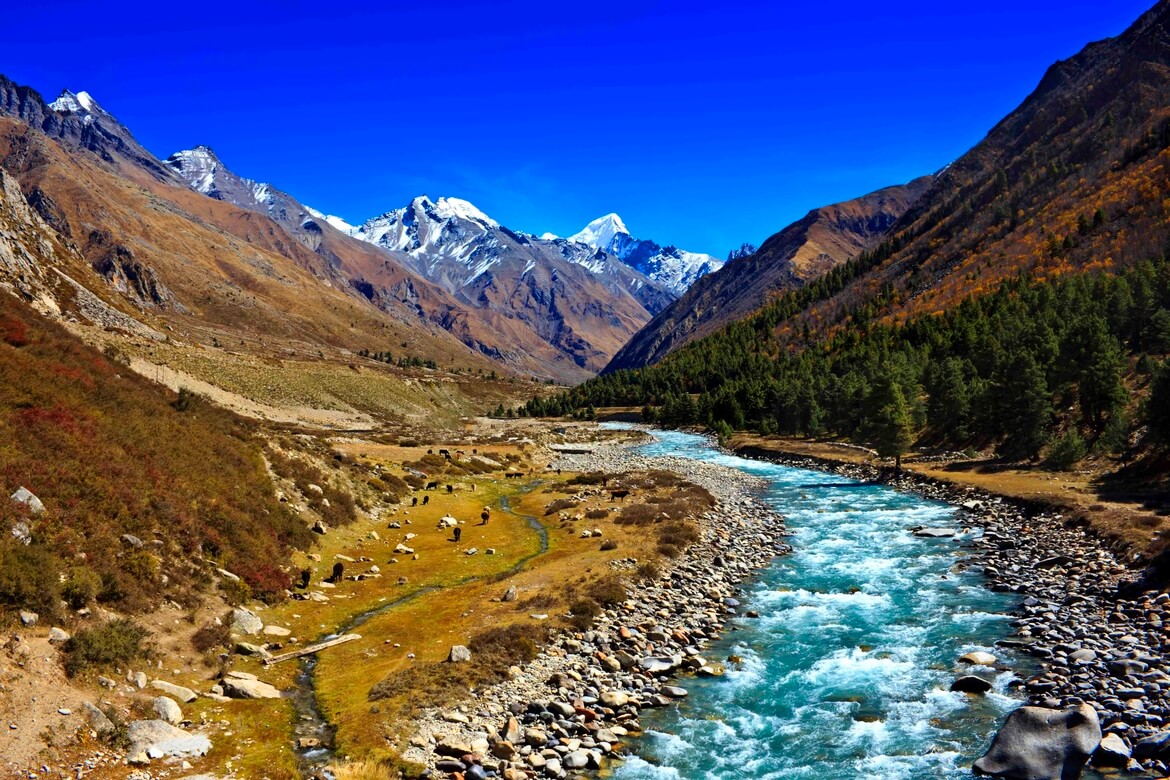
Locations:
(846, 673)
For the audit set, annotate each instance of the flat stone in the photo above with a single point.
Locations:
(978, 658)
(934, 533)
(249, 689)
(185, 695)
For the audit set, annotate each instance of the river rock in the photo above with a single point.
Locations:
(674, 691)
(978, 658)
(1112, 752)
(1037, 743)
(578, 759)
(158, 739)
(1155, 746)
(934, 533)
(167, 710)
(659, 664)
(969, 683)
(245, 621)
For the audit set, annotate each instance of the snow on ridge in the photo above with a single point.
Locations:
(601, 232)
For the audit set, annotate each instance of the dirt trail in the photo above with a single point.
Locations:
(300, 415)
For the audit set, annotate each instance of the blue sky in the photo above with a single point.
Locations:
(702, 124)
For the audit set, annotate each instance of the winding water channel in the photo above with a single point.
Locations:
(847, 671)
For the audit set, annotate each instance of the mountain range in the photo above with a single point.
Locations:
(188, 243)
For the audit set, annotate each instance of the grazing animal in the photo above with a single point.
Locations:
(446, 454)
(338, 572)
(450, 488)
(430, 452)
(414, 500)
(306, 575)
(458, 532)
(432, 485)
(459, 453)
(614, 495)
(426, 500)
(513, 475)
(485, 515)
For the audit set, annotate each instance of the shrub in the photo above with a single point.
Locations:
(117, 642)
(584, 612)
(395, 484)
(637, 514)
(597, 514)
(669, 550)
(608, 590)
(504, 646)
(28, 577)
(81, 587)
(1065, 452)
(560, 505)
(211, 636)
(608, 544)
(13, 331)
(678, 534)
(649, 571)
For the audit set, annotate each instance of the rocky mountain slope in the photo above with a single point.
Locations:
(823, 239)
(1074, 178)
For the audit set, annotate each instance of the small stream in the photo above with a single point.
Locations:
(847, 671)
(309, 721)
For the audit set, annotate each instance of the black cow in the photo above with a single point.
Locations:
(306, 575)
(431, 485)
(614, 495)
(338, 572)
(426, 500)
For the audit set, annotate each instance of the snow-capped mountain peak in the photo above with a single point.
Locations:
(81, 103)
(601, 232)
(456, 208)
(670, 267)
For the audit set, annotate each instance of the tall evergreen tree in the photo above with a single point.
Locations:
(1025, 407)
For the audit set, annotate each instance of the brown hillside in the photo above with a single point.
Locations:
(823, 239)
(1075, 178)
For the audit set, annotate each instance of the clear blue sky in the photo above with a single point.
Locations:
(702, 124)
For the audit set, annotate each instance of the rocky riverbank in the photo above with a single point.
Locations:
(575, 705)
(1094, 646)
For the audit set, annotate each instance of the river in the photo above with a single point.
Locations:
(847, 671)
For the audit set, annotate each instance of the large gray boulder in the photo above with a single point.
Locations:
(1037, 743)
(159, 739)
(25, 496)
(244, 621)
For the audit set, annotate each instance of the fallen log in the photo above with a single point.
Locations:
(312, 648)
